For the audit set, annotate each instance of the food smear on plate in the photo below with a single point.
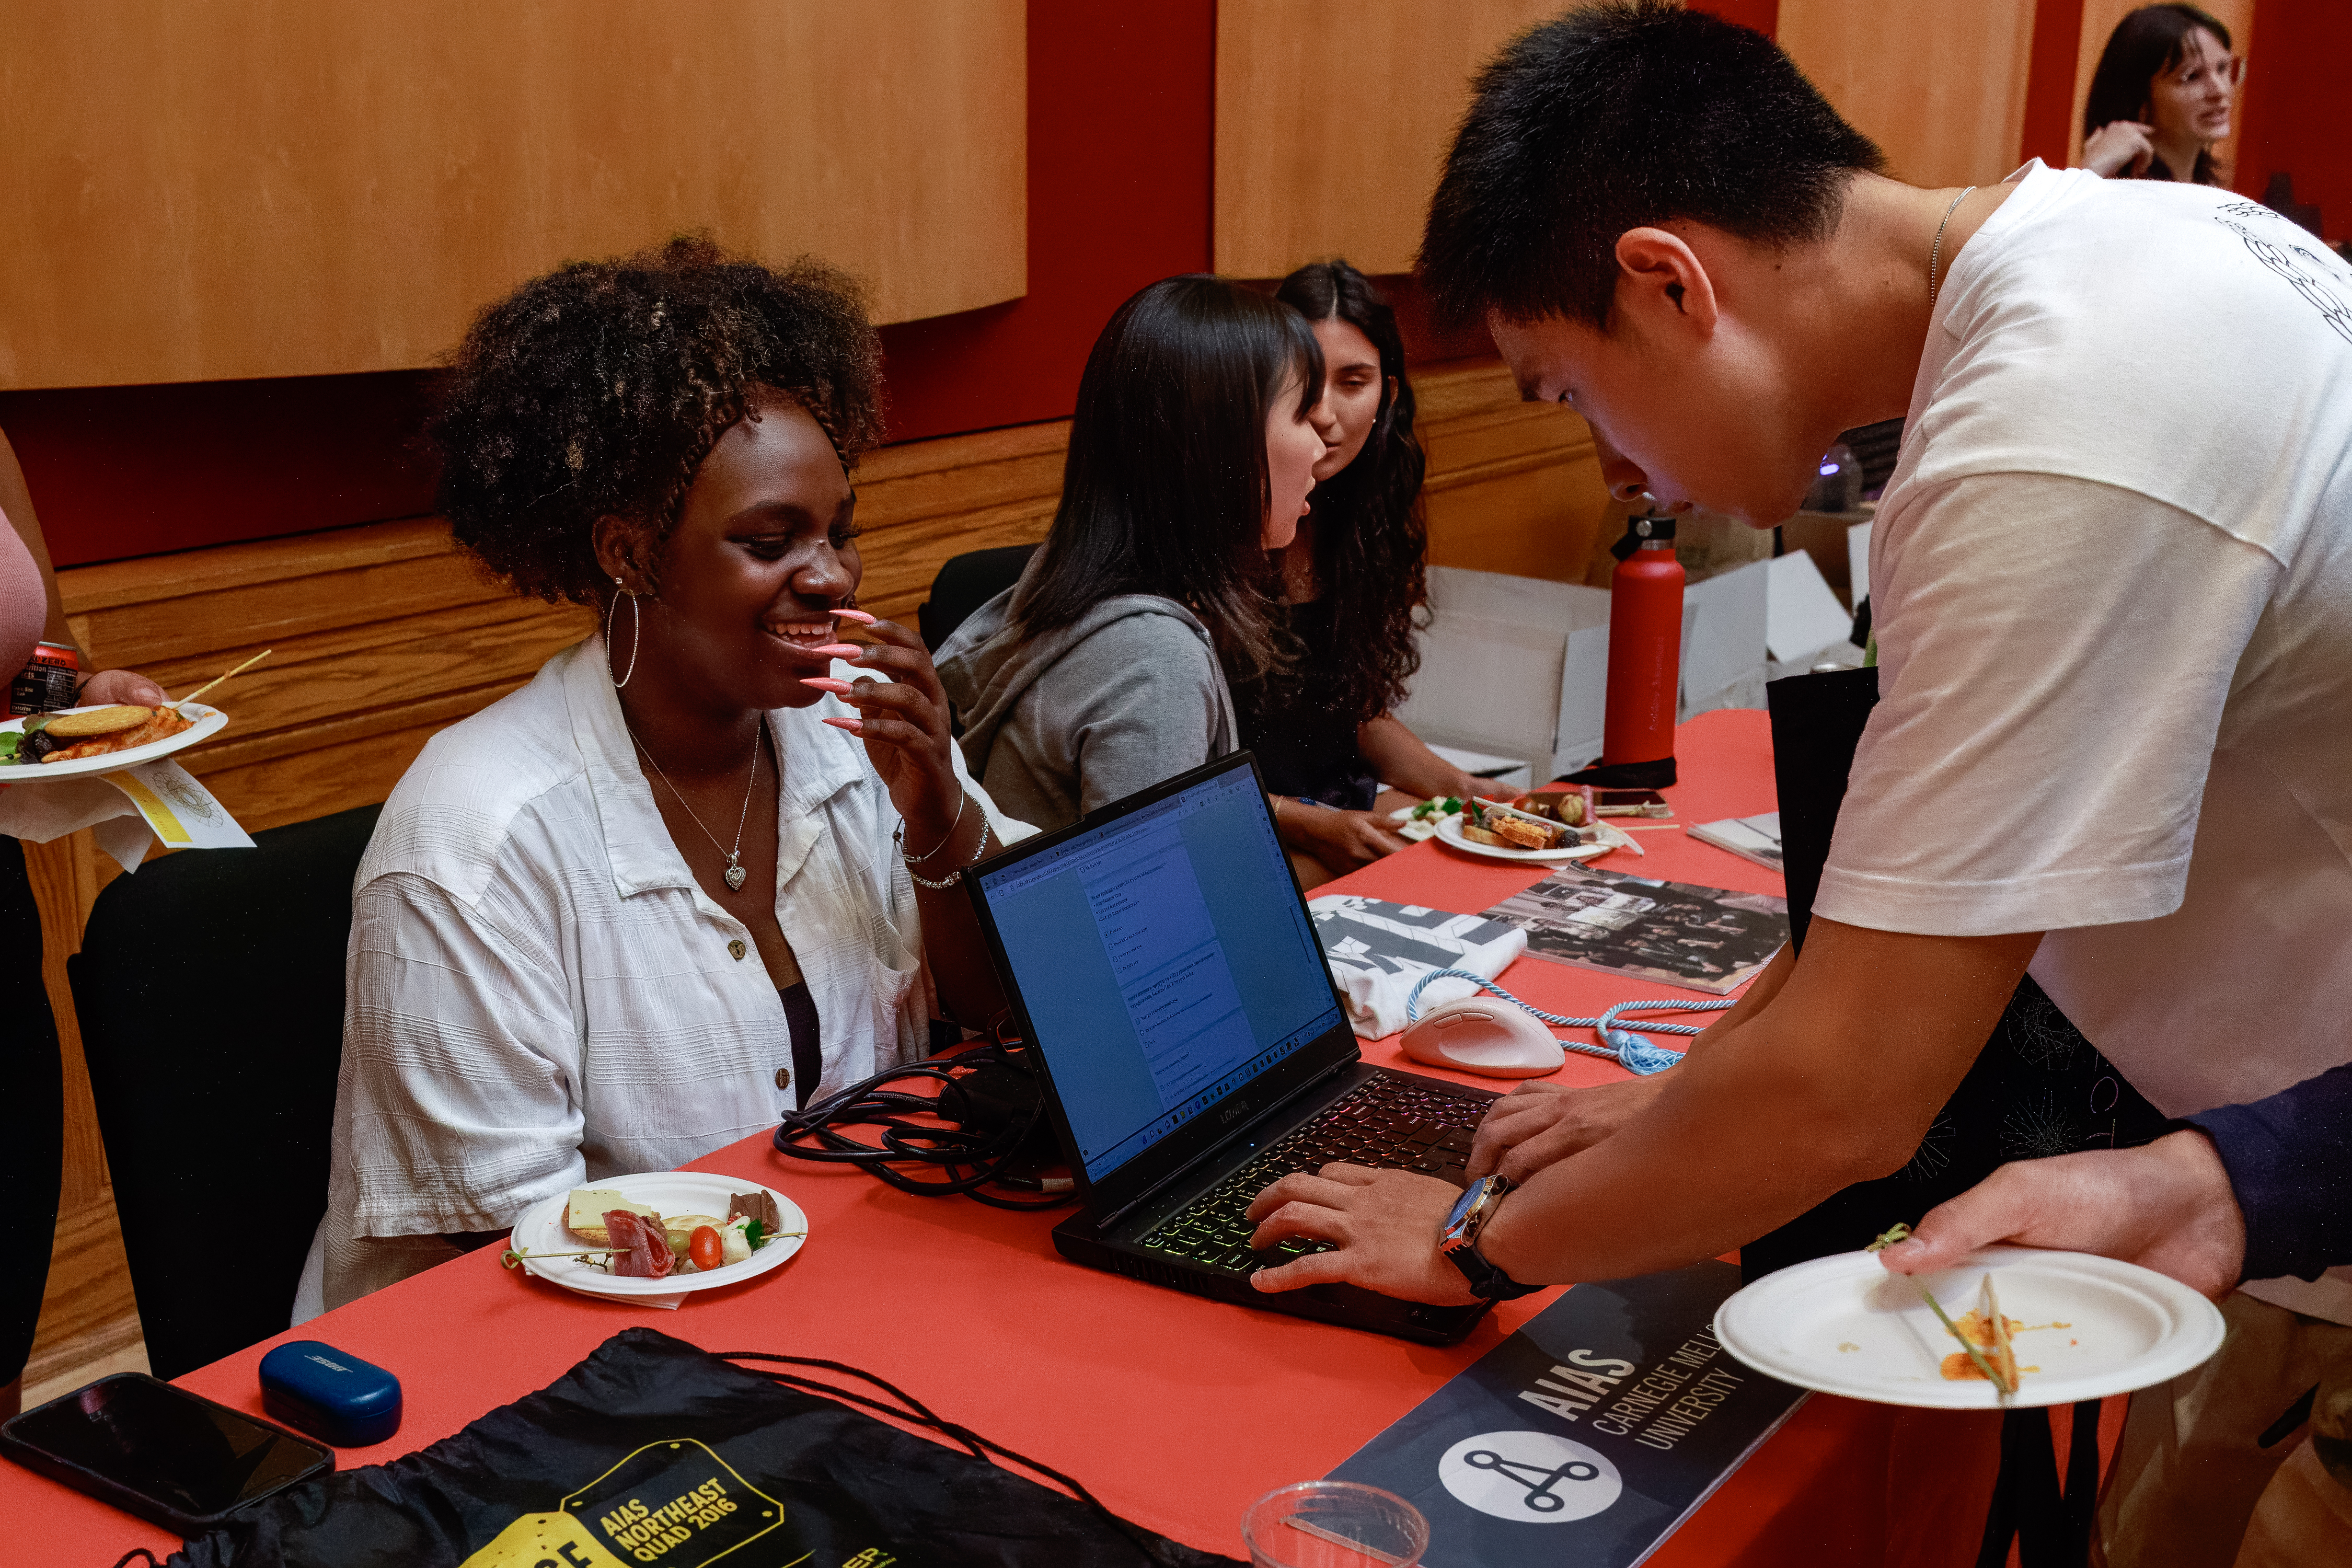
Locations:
(1959, 1367)
(92, 732)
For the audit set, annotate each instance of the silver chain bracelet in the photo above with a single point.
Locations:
(952, 878)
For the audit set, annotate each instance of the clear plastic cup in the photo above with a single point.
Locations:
(1334, 1524)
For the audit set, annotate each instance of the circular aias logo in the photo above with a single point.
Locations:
(1531, 1478)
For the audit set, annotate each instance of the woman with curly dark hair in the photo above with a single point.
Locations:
(686, 877)
(1351, 583)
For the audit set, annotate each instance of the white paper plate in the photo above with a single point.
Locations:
(1449, 831)
(663, 1192)
(209, 722)
(1845, 1325)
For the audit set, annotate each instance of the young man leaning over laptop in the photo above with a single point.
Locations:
(2112, 575)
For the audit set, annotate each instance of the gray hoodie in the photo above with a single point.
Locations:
(1057, 725)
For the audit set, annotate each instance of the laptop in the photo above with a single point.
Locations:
(1167, 976)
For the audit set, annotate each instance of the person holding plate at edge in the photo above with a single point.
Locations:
(688, 876)
(2115, 633)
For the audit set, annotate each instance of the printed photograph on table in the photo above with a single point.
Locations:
(1703, 939)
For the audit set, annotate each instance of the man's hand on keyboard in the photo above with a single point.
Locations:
(1382, 1227)
(1538, 1124)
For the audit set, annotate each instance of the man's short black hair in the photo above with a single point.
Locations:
(1617, 116)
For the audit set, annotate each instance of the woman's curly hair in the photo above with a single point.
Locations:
(599, 389)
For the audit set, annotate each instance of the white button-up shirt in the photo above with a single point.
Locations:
(540, 996)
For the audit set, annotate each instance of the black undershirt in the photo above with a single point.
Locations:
(800, 1019)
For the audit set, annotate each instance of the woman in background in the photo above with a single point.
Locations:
(1352, 581)
(2160, 101)
(1191, 451)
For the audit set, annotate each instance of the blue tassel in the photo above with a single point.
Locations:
(1638, 1056)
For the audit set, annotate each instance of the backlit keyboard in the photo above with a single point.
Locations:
(1395, 1123)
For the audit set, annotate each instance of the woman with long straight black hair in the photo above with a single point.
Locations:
(1351, 583)
(1192, 452)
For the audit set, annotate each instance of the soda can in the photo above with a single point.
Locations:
(46, 684)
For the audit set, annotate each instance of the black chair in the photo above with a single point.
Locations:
(965, 583)
(210, 989)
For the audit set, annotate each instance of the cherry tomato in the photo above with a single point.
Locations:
(703, 1249)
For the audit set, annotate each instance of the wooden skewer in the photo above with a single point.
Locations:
(1647, 826)
(215, 681)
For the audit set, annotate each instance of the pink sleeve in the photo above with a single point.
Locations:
(23, 604)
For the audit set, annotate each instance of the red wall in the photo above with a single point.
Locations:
(2295, 104)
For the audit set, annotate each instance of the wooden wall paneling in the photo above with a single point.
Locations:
(1939, 84)
(1513, 486)
(277, 188)
(2099, 19)
(1332, 123)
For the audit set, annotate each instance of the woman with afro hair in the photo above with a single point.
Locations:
(689, 876)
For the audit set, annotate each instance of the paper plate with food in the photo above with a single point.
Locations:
(2009, 1326)
(1509, 833)
(660, 1232)
(75, 743)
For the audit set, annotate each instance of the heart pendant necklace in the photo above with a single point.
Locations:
(735, 872)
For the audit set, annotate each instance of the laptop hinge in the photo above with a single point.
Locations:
(1246, 1130)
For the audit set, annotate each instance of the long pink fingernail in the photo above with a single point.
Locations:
(852, 725)
(840, 650)
(827, 683)
(860, 617)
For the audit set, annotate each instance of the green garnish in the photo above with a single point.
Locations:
(1902, 1233)
(755, 1233)
(1428, 809)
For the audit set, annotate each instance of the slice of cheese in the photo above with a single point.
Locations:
(585, 1212)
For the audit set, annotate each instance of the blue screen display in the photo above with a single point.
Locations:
(1165, 961)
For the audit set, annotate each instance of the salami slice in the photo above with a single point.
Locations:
(645, 1254)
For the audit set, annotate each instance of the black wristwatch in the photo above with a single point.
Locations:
(1459, 1241)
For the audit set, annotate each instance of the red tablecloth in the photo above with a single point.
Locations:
(1176, 1412)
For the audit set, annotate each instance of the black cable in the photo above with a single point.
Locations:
(968, 1160)
(918, 1414)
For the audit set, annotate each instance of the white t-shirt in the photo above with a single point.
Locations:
(2112, 575)
(542, 995)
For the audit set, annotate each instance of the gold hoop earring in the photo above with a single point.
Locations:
(637, 634)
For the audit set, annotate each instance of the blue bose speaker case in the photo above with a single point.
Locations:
(330, 1393)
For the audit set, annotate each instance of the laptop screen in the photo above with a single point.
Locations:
(1164, 961)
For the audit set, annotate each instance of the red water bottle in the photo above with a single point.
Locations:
(1645, 645)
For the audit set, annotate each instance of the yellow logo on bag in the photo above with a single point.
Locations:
(675, 1505)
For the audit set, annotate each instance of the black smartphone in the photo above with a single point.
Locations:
(159, 1452)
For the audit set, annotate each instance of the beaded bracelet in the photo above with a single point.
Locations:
(952, 878)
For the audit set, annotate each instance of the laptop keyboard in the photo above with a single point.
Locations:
(1397, 1123)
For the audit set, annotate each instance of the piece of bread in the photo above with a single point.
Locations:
(1478, 834)
(585, 1212)
(100, 721)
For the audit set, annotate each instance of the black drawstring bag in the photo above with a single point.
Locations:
(652, 1451)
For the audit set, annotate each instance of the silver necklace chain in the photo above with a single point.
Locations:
(735, 872)
(1935, 251)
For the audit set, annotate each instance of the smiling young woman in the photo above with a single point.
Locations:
(550, 965)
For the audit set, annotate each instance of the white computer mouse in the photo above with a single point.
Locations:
(1482, 1035)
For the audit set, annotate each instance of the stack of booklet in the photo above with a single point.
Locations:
(1705, 939)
